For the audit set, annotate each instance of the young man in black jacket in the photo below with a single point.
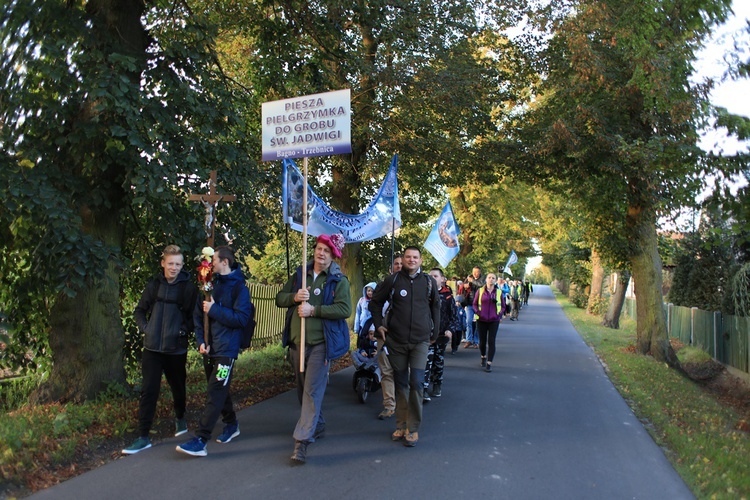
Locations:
(411, 324)
(164, 316)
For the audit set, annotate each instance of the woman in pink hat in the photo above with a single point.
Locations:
(325, 304)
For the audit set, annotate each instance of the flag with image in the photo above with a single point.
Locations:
(511, 260)
(442, 242)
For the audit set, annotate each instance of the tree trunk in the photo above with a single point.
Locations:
(612, 316)
(597, 279)
(86, 335)
(646, 265)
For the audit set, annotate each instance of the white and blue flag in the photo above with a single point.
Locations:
(381, 217)
(442, 242)
(511, 260)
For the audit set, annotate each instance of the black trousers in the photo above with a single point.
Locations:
(456, 340)
(487, 336)
(153, 364)
(218, 401)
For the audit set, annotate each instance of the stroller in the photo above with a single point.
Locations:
(367, 373)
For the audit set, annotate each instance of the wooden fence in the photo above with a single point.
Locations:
(270, 319)
(725, 337)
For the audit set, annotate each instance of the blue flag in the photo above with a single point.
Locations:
(511, 260)
(382, 216)
(442, 242)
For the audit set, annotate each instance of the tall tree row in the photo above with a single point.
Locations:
(616, 123)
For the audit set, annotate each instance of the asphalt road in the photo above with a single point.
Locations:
(545, 424)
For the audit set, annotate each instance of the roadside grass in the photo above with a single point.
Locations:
(41, 445)
(700, 436)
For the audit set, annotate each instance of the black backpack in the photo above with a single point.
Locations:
(249, 329)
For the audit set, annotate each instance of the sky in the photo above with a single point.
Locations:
(733, 95)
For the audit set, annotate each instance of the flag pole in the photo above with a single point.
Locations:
(393, 241)
(304, 264)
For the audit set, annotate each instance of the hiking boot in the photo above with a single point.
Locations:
(320, 432)
(230, 432)
(385, 414)
(140, 444)
(411, 439)
(180, 427)
(299, 455)
(436, 390)
(196, 447)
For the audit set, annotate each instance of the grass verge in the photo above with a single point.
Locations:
(703, 438)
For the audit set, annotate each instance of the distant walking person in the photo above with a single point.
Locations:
(412, 322)
(488, 302)
(228, 310)
(164, 315)
(434, 370)
(528, 288)
(387, 384)
(325, 310)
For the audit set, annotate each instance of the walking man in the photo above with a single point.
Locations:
(411, 323)
(228, 310)
(386, 371)
(164, 316)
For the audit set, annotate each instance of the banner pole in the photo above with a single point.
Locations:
(304, 265)
(393, 242)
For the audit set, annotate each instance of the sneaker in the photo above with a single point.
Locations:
(426, 396)
(436, 391)
(195, 447)
(398, 435)
(489, 368)
(142, 443)
(483, 362)
(230, 432)
(411, 439)
(180, 427)
(385, 414)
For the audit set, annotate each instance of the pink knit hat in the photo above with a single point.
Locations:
(335, 242)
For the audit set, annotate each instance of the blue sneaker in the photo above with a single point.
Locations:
(230, 432)
(195, 447)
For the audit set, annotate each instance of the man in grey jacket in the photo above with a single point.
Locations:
(410, 324)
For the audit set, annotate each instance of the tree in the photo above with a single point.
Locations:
(112, 112)
(617, 116)
(425, 79)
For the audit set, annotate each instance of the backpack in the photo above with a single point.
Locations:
(249, 330)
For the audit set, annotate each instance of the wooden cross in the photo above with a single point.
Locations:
(210, 201)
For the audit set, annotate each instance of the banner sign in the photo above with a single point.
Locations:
(381, 217)
(442, 242)
(313, 125)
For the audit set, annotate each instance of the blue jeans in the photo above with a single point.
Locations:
(471, 334)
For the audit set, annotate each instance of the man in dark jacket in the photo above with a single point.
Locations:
(325, 303)
(411, 323)
(448, 327)
(164, 316)
(228, 310)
